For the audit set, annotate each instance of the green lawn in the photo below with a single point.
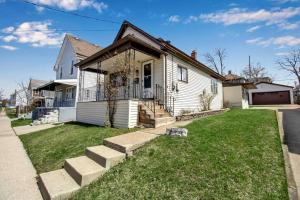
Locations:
(11, 112)
(49, 148)
(236, 155)
(21, 122)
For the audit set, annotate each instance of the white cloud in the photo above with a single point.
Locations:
(39, 8)
(191, 19)
(288, 26)
(36, 34)
(253, 29)
(240, 16)
(285, 1)
(8, 29)
(9, 38)
(174, 18)
(71, 5)
(282, 41)
(7, 47)
(282, 54)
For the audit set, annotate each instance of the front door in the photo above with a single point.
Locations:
(148, 80)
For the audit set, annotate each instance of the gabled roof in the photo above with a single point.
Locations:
(273, 84)
(82, 47)
(34, 83)
(165, 46)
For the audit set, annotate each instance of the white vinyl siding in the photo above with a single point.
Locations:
(187, 94)
(126, 115)
(65, 64)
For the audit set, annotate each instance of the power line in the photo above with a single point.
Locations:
(72, 13)
(52, 30)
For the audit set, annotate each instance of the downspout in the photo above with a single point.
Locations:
(166, 81)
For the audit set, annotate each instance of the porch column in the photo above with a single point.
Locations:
(98, 86)
(79, 92)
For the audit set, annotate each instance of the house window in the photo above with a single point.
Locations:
(214, 86)
(117, 79)
(87, 93)
(182, 74)
(72, 67)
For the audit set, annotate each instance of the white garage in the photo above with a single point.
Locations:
(271, 93)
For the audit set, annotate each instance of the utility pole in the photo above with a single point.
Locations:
(249, 66)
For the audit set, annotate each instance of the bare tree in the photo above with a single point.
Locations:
(123, 65)
(206, 100)
(1, 94)
(216, 60)
(252, 72)
(24, 94)
(291, 63)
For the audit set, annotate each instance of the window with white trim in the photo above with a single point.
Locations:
(214, 86)
(182, 74)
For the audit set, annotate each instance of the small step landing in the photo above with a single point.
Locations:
(129, 142)
(105, 156)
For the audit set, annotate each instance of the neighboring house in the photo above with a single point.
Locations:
(39, 98)
(18, 98)
(163, 81)
(72, 51)
(271, 93)
(236, 91)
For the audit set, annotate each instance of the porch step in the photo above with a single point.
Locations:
(129, 142)
(105, 156)
(83, 169)
(164, 121)
(57, 185)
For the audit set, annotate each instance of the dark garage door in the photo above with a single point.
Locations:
(265, 98)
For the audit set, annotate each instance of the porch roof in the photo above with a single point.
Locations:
(128, 42)
(52, 84)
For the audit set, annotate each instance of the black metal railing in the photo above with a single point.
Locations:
(132, 91)
(64, 103)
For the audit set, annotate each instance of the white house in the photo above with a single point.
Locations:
(72, 51)
(18, 98)
(162, 81)
(271, 93)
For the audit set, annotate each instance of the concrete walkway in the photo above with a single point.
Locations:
(291, 127)
(17, 174)
(21, 130)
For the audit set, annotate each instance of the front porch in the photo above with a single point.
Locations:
(129, 74)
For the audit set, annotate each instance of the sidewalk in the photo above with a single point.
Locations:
(17, 174)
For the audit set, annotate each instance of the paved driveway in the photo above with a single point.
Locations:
(17, 175)
(291, 126)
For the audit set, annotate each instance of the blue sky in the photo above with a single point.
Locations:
(30, 36)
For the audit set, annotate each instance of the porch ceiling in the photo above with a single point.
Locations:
(126, 43)
(108, 64)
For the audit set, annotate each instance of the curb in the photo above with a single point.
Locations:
(292, 188)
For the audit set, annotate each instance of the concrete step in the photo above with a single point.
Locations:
(129, 142)
(57, 185)
(83, 169)
(164, 121)
(105, 156)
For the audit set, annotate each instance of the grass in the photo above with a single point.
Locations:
(236, 155)
(11, 112)
(21, 122)
(49, 148)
